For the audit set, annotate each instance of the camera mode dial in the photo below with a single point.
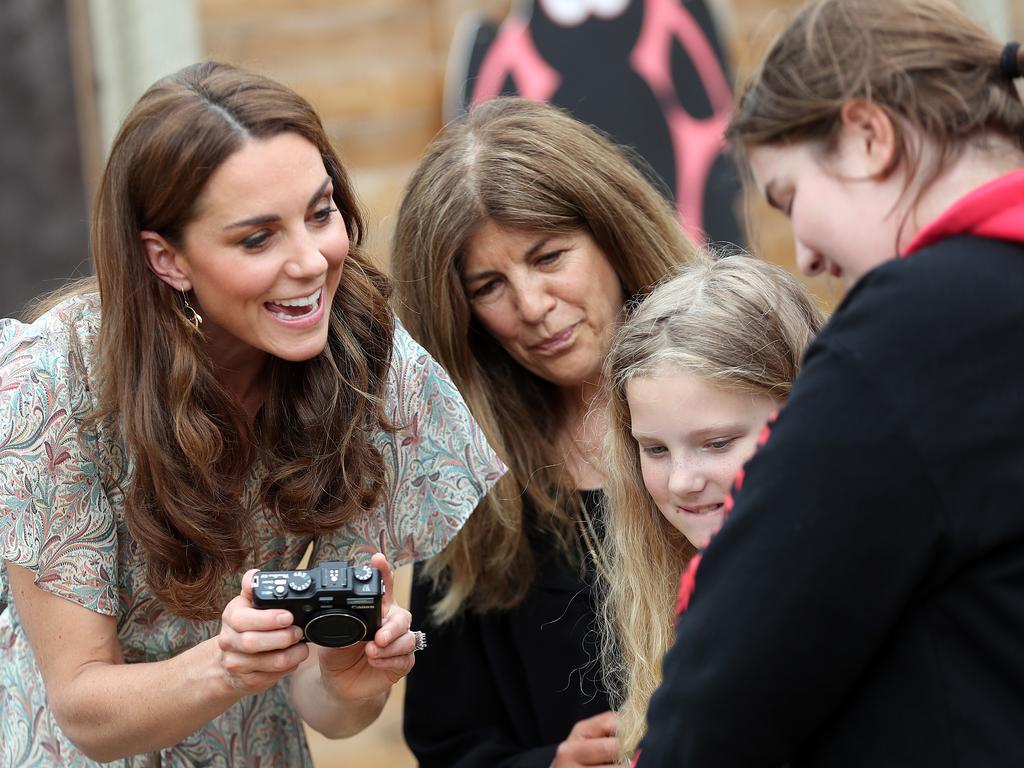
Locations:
(299, 581)
(363, 573)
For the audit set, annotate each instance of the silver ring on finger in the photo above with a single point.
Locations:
(421, 639)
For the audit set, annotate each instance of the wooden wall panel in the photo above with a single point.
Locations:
(372, 70)
(375, 73)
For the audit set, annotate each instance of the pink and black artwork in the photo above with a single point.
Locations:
(650, 73)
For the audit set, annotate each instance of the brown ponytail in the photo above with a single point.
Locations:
(935, 71)
(1011, 63)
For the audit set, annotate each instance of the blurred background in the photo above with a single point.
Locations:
(384, 75)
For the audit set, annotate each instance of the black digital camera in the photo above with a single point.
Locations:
(335, 604)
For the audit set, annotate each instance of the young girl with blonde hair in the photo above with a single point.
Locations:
(693, 375)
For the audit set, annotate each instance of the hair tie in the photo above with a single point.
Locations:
(1009, 62)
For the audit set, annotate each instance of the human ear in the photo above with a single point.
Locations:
(869, 136)
(165, 261)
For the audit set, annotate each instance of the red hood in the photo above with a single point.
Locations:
(994, 210)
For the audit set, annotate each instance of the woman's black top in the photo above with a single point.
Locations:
(502, 689)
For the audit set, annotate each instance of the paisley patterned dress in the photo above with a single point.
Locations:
(62, 516)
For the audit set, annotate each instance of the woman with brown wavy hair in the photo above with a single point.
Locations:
(236, 393)
(521, 235)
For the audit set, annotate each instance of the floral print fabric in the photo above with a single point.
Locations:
(62, 516)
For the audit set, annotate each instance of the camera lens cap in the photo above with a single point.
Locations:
(335, 628)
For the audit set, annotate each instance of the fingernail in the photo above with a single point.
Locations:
(385, 637)
(284, 619)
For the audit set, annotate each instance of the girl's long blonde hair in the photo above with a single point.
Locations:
(742, 324)
(529, 166)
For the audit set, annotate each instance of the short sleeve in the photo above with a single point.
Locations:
(55, 518)
(438, 466)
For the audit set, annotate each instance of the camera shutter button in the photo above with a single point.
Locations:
(280, 590)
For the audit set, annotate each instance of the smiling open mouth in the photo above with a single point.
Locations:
(703, 509)
(295, 309)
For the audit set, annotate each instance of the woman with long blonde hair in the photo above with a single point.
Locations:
(692, 376)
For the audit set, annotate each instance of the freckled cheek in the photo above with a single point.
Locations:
(654, 480)
(726, 470)
(723, 473)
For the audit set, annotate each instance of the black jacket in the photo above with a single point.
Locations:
(863, 605)
(503, 689)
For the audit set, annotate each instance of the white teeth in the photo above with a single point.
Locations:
(703, 509)
(312, 311)
(308, 301)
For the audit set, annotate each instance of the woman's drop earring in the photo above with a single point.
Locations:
(196, 320)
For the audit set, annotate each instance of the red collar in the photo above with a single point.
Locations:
(995, 210)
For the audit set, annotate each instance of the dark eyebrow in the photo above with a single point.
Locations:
(320, 192)
(270, 218)
(539, 245)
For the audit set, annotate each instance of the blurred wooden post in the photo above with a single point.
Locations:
(43, 230)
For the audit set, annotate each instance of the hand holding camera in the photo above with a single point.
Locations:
(371, 668)
(341, 605)
(335, 604)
